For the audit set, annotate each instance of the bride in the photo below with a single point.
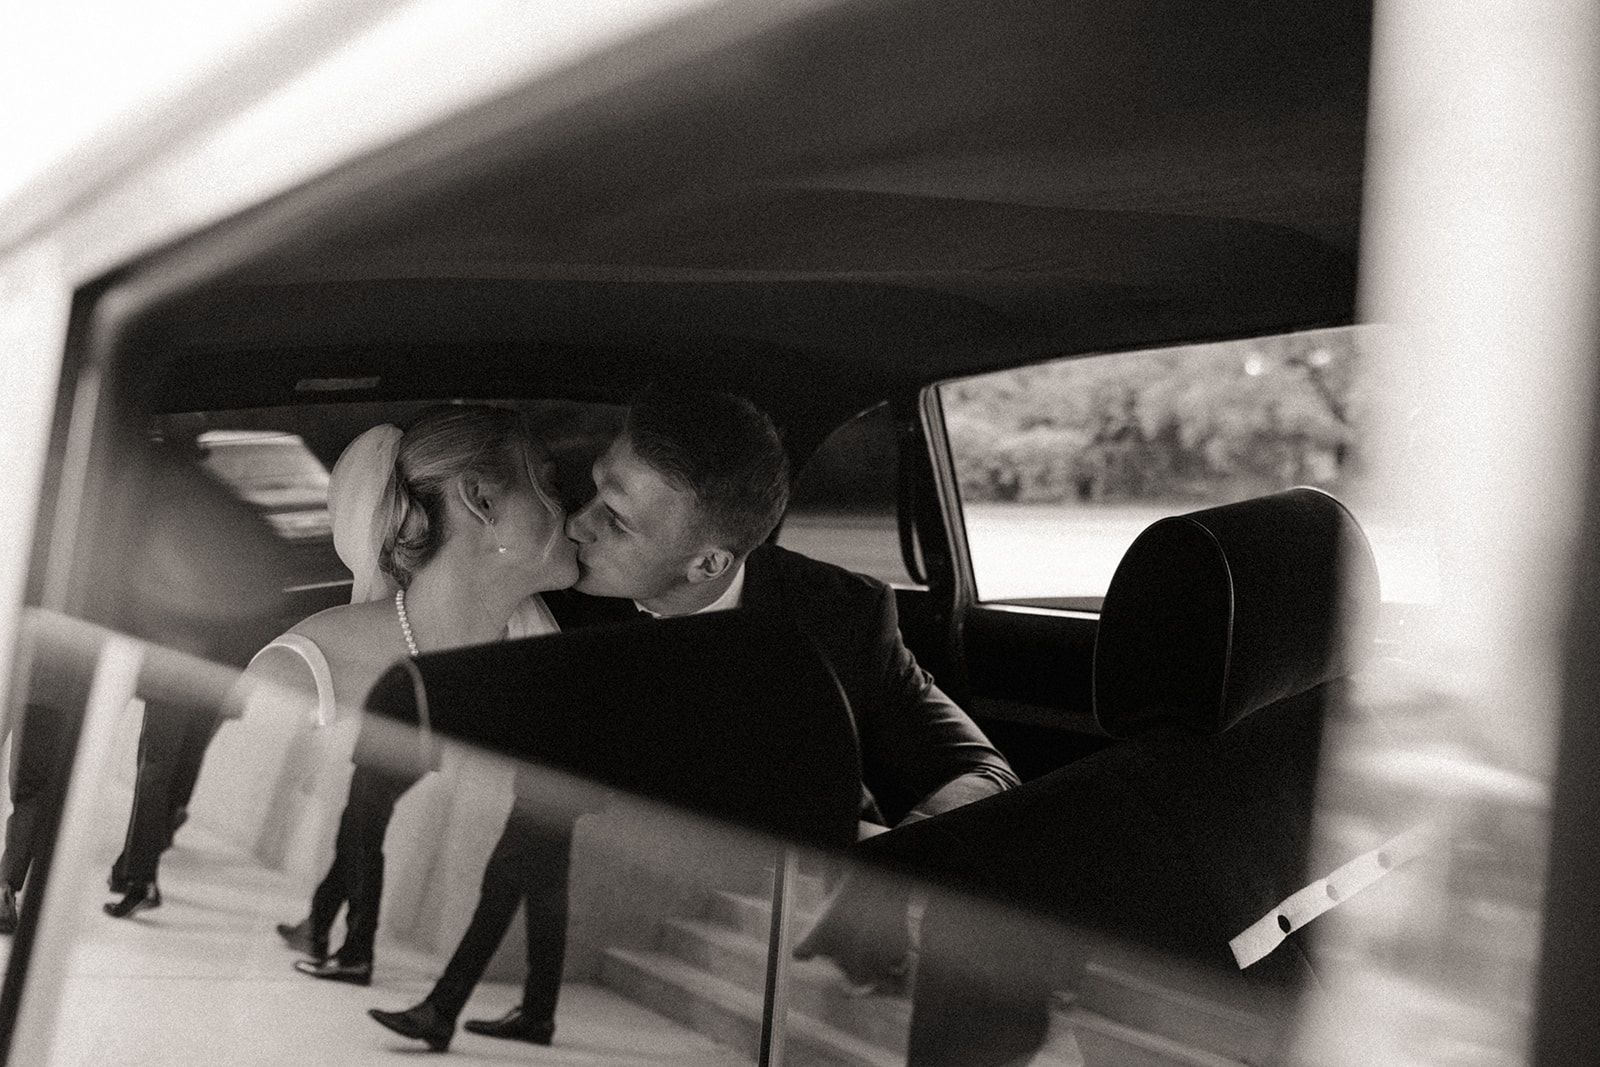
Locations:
(450, 535)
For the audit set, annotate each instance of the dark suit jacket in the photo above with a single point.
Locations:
(920, 753)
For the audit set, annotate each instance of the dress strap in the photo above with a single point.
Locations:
(306, 649)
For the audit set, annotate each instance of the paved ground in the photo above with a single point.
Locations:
(204, 980)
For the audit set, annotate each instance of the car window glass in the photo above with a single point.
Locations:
(1061, 465)
(843, 507)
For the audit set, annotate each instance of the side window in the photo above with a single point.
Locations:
(1061, 465)
(843, 507)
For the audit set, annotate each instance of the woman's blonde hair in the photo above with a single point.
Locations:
(440, 444)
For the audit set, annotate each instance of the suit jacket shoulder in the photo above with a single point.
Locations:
(777, 579)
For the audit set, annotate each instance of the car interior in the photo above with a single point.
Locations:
(818, 263)
(1029, 182)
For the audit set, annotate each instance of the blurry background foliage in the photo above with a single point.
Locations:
(1209, 423)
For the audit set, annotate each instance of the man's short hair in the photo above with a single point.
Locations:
(721, 448)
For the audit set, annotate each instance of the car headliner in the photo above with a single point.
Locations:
(872, 195)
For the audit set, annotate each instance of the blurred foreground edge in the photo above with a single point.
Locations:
(721, 714)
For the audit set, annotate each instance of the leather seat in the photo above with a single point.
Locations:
(766, 741)
(1222, 642)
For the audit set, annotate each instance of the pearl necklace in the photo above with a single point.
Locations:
(405, 623)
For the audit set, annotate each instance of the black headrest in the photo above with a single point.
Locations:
(187, 589)
(1215, 614)
(725, 714)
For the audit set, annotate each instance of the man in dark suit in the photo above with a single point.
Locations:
(685, 498)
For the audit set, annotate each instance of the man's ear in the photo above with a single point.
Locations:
(476, 497)
(710, 564)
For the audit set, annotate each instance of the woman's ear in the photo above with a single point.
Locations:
(476, 497)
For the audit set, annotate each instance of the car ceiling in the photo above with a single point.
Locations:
(871, 195)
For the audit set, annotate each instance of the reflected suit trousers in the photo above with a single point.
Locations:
(172, 746)
(41, 756)
(356, 875)
(529, 865)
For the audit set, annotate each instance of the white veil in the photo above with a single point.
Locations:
(358, 492)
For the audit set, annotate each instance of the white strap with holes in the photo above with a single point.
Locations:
(1268, 932)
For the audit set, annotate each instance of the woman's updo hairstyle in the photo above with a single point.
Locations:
(440, 444)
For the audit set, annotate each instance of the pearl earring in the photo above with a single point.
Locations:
(497, 545)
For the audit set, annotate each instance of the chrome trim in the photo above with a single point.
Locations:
(934, 436)
(1029, 609)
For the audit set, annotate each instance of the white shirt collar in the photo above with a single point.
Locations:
(726, 602)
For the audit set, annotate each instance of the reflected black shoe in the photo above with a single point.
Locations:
(298, 937)
(335, 970)
(8, 909)
(139, 898)
(514, 1026)
(425, 1022)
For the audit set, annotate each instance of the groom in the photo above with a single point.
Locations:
(685, 499)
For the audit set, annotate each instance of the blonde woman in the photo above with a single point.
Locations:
(449, 534)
